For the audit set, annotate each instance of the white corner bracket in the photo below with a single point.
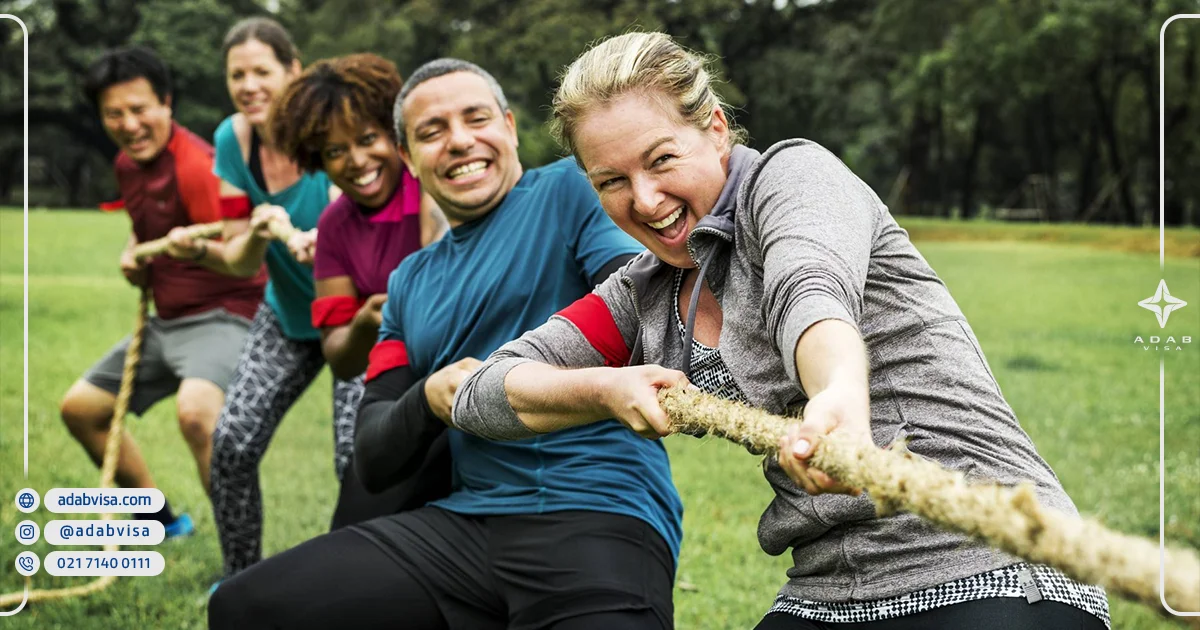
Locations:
(25, 268)
(1162, 412)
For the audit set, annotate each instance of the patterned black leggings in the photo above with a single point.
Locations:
(271, 374)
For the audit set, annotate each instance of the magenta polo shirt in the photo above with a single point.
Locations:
(368, 248)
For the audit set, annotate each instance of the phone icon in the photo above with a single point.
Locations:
(28, 563)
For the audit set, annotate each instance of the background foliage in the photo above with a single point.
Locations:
(1032, 109)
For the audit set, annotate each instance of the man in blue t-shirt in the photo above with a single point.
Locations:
(575, 530)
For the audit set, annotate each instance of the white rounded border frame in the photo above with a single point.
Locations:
(24, 267)
(1162, 412)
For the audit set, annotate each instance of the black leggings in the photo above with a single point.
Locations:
(999, 613)
(342, 580)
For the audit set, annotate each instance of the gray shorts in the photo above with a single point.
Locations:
(204, 346)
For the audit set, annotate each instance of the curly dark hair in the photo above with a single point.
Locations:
(348, 90)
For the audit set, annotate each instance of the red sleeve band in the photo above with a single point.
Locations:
(112, 206)
(235, 207)
(386, 355)
(591, 316)
(198, 187)
(332, 311)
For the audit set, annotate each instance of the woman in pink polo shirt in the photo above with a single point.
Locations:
(337, 117)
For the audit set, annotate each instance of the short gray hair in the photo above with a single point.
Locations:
(432, 70)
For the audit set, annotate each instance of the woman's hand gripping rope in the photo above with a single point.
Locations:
(272, 222)
(846, 410)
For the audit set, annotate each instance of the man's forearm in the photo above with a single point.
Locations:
(213, 257)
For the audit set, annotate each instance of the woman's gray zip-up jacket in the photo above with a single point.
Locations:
(796, 238)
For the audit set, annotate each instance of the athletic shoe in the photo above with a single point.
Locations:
(180, 527)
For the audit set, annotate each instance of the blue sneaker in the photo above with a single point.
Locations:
(203, 600)
(180, 527)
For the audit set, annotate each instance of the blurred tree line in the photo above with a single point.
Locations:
(1017, 109)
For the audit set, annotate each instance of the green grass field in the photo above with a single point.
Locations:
(1057, 323)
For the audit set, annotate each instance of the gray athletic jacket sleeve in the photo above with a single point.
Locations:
(816, 223)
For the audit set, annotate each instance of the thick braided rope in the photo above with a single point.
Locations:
(1010, 519)
(108, 469)
(281, 230)
(150, 249)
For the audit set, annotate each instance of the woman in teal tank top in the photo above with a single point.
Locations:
(282, 354)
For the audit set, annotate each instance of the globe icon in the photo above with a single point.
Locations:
(25, 500)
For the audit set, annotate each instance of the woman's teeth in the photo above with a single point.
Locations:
(467, 169)
(368, 179)
(658, 225)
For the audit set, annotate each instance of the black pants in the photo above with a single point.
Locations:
(999, 613)
(431, 569)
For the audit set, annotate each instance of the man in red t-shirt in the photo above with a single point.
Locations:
(191, 344)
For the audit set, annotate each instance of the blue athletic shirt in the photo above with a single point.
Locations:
(486, 283)
(290, 290)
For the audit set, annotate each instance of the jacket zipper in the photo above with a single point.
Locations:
(692, 253)
(637, 311)
(705, 230)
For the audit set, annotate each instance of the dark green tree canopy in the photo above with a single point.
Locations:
(1034, 109)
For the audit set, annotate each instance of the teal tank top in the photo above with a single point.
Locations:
(290, 291)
